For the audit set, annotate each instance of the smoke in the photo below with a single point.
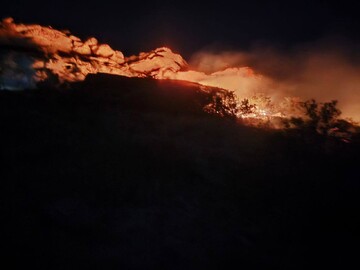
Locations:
(16, 71)
(324, 70)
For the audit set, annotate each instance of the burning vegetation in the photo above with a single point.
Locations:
(34, 55)
(164, 167)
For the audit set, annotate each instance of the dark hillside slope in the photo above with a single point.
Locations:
(130, 173)
(143, 95)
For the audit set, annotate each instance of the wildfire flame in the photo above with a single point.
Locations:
(39, 53)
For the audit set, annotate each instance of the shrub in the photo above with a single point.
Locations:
(222, 103)
(323, 116)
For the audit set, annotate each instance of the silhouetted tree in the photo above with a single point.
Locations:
(246, 108)
(328, 116)
(222, 103)
(321, 118)
(312, 111)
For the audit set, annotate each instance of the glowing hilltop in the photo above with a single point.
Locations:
(42, 51)
(30, 54)
(71, 59)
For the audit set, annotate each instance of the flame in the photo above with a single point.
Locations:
(44, 53)
(71, 59)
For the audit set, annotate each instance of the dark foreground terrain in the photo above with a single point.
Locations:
(122, 173)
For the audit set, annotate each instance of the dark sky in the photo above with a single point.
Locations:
(188, 26)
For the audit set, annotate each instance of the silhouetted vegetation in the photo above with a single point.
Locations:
(246, 108)
(120, 173)
(222, 102)
(322, 119)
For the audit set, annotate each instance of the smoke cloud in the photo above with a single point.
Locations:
(324, 70)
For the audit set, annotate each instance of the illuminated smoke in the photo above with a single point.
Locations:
(321, 71)
(325, 70)
(71, 59)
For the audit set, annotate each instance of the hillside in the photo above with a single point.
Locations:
(131, 173)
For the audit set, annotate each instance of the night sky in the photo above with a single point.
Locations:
(187, 26)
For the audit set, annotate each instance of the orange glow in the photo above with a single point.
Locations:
(53, 52)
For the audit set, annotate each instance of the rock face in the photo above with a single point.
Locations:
(160, 63)
(70, 59)
(32, 53)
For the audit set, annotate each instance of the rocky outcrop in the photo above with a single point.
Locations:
(159, 63)
(71, 59)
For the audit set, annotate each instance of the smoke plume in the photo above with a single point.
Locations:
(324, 70)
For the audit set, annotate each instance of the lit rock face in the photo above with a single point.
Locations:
(53, 52)
(71, 59)
(37, 53)
(160, 63)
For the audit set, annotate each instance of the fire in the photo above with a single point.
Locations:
(36, 53)
(71, 59)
